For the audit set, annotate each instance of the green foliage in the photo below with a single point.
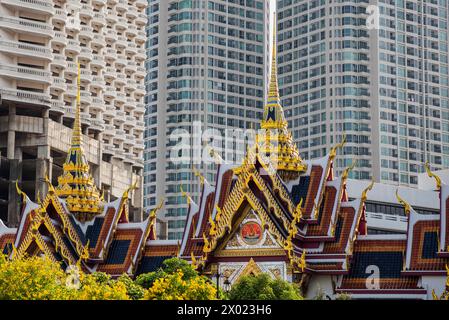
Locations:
(134, 291)
(263, 287)
(173, 265)
(169, 267)
(343, 296)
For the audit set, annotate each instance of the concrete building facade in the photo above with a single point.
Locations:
(41, 44)
(207, 69)
(375, 71)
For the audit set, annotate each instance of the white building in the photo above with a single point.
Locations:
(206, 69)
(41, 43)
(384, 85)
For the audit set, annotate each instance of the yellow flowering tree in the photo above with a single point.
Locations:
(32, 279)
(175, 287)
(100, 286)
(39, 278)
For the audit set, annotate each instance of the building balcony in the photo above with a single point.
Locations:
(71, 91)
(87, 32)
(109, 112)
(131, 48)
(97, 124)
(131, 66)
(121, 62)
(120, 80)
(111, 35)
(73, 47)
(120, 117)
(59, 61)
(58, 85)
(110, 73)
(138, 162)
(35, 6)
(109, 130)
(71, 70)
(111, 17)
(141, 3)
(59, 39)
(57, 106)
(130, 86)
(141, 19)
(130, 104)
(119, 135)
(86, 75)
(140, 90)
(141, 38)
(122, 5)
(128, 156)
(132, 13)
(98, 105)
(139, 145)
(25, 73)
(25, 50)
(98, 61)
(119, 154)
(111, 54)
(130, 139)
(140, 125)
(110, 94)
(99, 40)
(60, 16)
(26, 26)
(98, 83)
(121, 23)
(86, 54)
(141, 55)
(121, 42)
(140, 74)
(99, 2)
(121, 98)
(99, 19)
(26, 97)
(108, 149)
(86, 11)
(131, 30)
(86, 97)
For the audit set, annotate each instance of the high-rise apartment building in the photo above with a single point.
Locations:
(376, 71)
(207, 68)
(41, 44)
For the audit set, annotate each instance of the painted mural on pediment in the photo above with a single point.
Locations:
(251, 235)
(233, 271)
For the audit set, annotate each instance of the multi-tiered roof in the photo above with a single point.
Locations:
(309, 222)
(75, 226)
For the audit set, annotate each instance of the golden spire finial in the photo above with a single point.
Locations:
(433, 175)
(367, 189)
(76, 185)
(186, 195)
(273, 117)
(274, 142)
(76, 135)
(199, 175)
(406, 205)
(349, 168)
(273, 93)
(333, 152)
